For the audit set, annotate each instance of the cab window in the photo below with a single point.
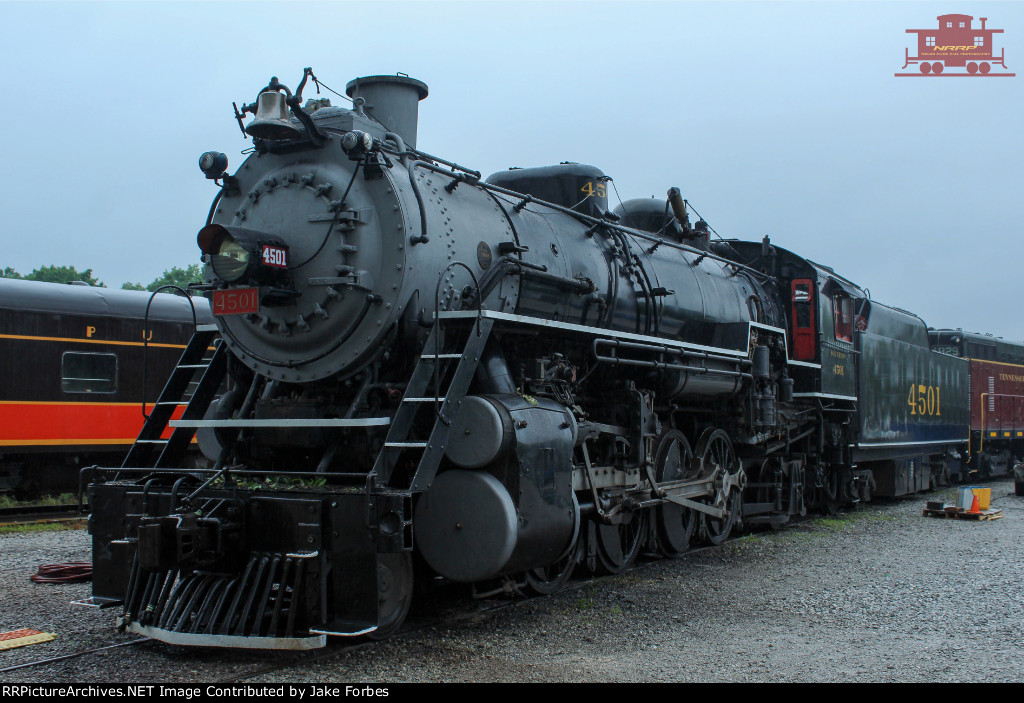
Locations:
(842, 310)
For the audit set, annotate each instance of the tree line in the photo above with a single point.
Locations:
(175, 275)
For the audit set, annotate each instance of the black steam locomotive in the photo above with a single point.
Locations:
(491, 380)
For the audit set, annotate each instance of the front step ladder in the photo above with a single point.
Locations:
(461, 342)
(150, 449)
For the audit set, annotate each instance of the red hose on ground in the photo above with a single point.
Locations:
(67, 572)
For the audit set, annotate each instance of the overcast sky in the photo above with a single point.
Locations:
(772, 118)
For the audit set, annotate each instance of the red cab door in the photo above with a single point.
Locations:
(804, 347)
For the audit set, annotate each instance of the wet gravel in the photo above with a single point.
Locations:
(877, 594)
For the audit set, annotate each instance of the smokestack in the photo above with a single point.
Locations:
(391, 100)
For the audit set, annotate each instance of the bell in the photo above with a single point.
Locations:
(272, 120)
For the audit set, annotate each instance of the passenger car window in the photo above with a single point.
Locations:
(88, 373)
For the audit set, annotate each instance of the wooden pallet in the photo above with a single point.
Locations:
(961, 514)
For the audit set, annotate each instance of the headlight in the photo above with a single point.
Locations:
(238, 254)
(231, 260)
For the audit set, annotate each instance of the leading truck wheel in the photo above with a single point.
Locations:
(394, 592)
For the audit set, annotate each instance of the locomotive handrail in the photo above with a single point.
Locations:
(437, 290)
(145, 337)
(665, 349)
(248, 472)
(425, 158)
(729, 354)
(700, 370)
(286, 422)
(437, 322)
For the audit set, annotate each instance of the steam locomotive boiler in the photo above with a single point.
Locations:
(493, 381)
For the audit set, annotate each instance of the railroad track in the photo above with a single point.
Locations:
(21, 514)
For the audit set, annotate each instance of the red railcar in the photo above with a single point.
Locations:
(956, 44)
(996, 369)
(997, 410)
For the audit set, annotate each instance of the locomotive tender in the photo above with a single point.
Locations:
(498, 377)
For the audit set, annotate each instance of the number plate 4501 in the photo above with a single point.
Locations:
(236, 302)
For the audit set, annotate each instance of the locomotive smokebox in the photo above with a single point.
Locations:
(391, 100)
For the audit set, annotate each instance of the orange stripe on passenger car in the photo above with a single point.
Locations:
(88, 341)
(25, 424)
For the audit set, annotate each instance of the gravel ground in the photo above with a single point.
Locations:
(877, 594)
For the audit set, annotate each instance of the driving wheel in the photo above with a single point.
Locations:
(619, 545)
(714, 451)
(673, 461)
